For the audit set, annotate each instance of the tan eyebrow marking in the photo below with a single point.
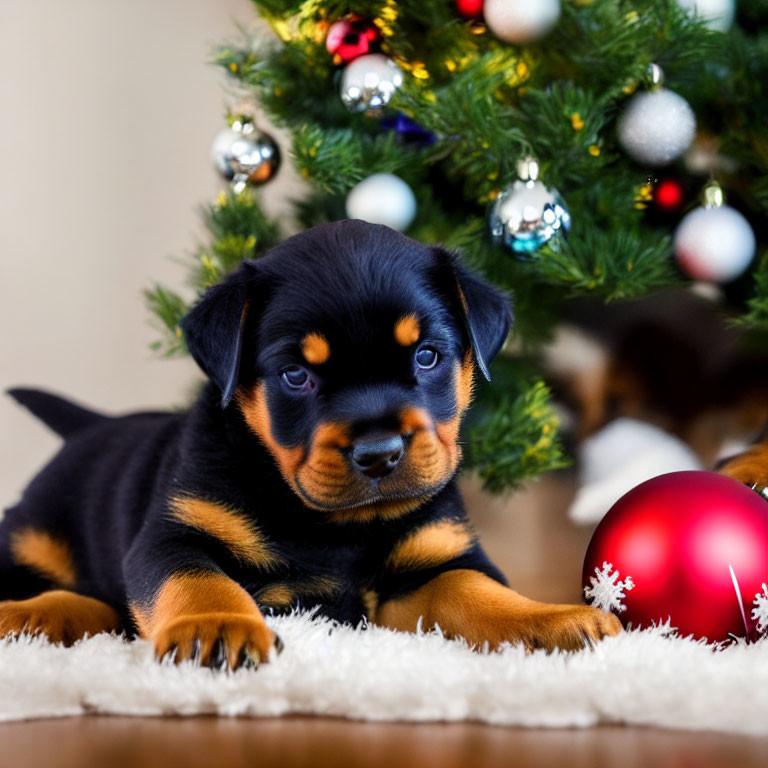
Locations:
(315, 348)
(407, 330)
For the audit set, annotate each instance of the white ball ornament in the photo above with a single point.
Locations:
(382, 198)
(521, 21)
(715, 244)
(657, 126)
(717, 14)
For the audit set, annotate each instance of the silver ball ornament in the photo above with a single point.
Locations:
(657, 126)
(369, 82)
(527, 214)
(244, 155)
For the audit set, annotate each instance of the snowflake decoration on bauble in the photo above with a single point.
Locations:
(607, 592)
(760, 611)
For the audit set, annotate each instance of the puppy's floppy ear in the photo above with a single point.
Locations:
(213, 329)
(485, 311)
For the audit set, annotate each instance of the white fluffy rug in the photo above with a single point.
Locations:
(646, 678)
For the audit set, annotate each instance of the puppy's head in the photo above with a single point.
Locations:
(349, 351)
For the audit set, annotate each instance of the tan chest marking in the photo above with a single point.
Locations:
(431, 545)
(308, 592)
(45, 554)
(276, 596)
(239, 535)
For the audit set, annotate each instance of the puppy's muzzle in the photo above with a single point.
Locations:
(377, 457)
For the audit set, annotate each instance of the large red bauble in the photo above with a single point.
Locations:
(678, 537)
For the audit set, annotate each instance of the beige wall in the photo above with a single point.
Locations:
(107, 113)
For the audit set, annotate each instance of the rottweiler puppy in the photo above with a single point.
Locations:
(316, 469)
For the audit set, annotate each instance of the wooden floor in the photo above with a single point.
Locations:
(115, 742)
(531, 539)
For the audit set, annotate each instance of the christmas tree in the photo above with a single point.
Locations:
(557, 145)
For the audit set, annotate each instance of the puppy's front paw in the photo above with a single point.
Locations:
(567, 627)
(217, 640)
(750, 468)
(62, 616)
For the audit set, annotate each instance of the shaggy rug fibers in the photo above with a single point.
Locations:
(644, 678)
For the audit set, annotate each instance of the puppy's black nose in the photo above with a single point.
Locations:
(377, 457)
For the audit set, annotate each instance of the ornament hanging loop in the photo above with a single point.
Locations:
(655, 75)
(528, 168)
(713, 195)
(243, 124)
(526, 214)
(239, 183)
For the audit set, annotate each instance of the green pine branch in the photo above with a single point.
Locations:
(169, 308)
(337, 159)
(614, 264)
(515, 441)
(239, 229)
(756, 316)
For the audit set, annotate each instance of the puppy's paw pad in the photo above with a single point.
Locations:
(572, 627)
(220, 641)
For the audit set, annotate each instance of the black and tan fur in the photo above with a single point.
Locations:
(316, 469)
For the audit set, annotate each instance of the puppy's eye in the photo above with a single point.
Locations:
(296, 377)
(426, 357)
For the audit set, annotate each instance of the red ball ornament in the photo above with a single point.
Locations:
(691, 547)
(470, 9)
(668, 194)
(349, 38)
